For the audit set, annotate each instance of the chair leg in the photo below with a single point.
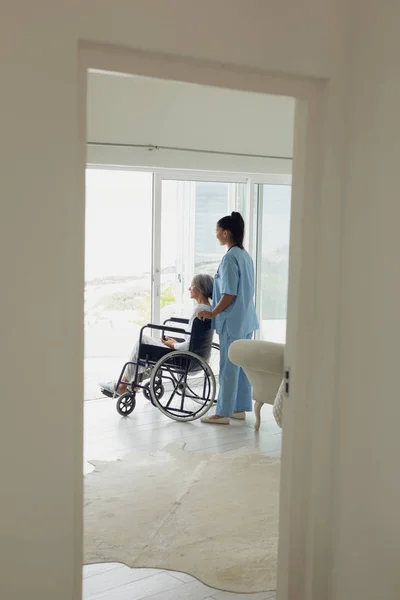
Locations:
(257, 410)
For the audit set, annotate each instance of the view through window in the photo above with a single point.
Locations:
(117, 268)
(119, 247)
(190, 211)
(274, 244)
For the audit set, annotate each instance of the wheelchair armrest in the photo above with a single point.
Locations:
(164, 328)
(177, 320)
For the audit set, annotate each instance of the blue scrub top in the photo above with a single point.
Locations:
(235, 276)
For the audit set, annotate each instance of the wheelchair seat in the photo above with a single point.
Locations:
(201, 337)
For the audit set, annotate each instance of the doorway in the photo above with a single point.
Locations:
(310, 95)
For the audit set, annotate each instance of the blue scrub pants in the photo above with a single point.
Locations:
(234, 387)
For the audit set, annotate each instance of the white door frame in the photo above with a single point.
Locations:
(305, 529)
(196, 174)
(156, 254)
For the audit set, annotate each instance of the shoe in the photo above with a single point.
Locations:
(108, 389)
(213, 421)
(240, 416)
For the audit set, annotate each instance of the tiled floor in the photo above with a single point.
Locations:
(109, 436)
(117, 582)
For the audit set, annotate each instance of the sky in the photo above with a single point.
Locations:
(119, 222)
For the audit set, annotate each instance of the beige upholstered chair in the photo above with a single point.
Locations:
(263, 364)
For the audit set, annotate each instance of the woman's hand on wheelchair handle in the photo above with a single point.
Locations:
(205, 314)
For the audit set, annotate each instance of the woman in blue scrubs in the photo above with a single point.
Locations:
(234, 318)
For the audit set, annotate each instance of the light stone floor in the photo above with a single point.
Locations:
(109, 436)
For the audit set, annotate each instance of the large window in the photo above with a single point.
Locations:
(117, 268)
(147, 234)
(274, 202)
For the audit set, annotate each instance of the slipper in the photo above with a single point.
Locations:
(218, 421)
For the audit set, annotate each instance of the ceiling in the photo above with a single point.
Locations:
(142, 111)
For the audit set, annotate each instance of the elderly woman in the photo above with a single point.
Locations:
(201, 290)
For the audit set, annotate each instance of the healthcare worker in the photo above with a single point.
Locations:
(234, 317)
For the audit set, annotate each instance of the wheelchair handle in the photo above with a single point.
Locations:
(176, 320)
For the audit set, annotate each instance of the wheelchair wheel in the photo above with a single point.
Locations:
(126, 403)
(158, 390)
(214, 359)
(214, 365)
(189, 386)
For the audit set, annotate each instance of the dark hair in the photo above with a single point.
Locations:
(235, 224)
(204, 283)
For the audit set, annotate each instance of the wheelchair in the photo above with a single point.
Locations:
(181, 384)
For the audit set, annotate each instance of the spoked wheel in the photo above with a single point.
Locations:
(189, 385)
(214, 365)
(158, 390)
(126, 403)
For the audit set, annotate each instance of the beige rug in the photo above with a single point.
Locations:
(214, 516)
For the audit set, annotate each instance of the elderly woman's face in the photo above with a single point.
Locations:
(193, 290)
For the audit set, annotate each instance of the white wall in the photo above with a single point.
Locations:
(41, 257)
(146, 111)
(42, 237)
(367, 483)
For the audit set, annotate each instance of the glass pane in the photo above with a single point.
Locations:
(212, 201)
(117, 269)
(275, 236)
(189, 213)
(172, 233)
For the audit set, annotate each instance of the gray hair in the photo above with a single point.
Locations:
(204, 284)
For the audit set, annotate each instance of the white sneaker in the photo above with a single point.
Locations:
(240, 416)
(108, 388)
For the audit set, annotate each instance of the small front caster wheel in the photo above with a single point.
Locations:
(126, 403)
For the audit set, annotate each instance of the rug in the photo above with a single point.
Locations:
(213, 516)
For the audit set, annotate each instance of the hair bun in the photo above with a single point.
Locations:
(235, 215)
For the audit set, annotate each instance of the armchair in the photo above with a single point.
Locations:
(263, 363)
